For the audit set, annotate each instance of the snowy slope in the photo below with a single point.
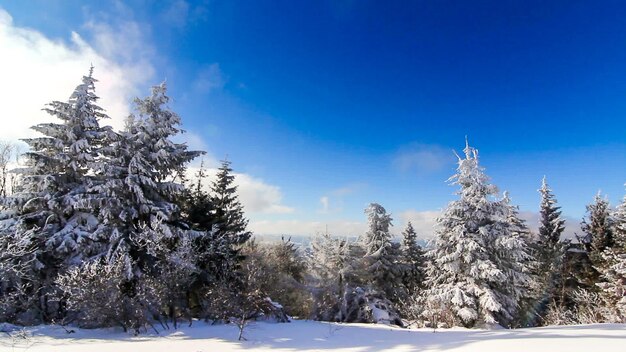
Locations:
(318, 336)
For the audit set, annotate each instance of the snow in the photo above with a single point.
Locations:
(319, 336)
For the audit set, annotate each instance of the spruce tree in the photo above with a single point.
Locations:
(381, 255)
(598, 228)
(551, 227)
(520, 266)
(550, 250)
(229, 220)
(51, 210)
(229, 224)
(613, 273)
(414, 260)
(212, 254)
(140, 217)
(472, 275)
(219, 251)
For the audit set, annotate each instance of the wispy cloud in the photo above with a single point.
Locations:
(260, 197)
(422, 158)
(180, 13)
(256, 195)
(324, 202)
(36, 70)
(176, 13)
(332, 202)
(423, 222)
(210, 78)
(308, 228)
(572, 225)
(349, 189)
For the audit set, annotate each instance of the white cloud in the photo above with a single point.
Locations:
(349, 189)
(572, 226)
(260, 197)
(195, 142)
(324, 202)
(177, 13)
(306, 228)
(256, 196)
(180, 13)
(210, 78)
(422, 158)
(336, 196)
(36, 70)
(423, 222)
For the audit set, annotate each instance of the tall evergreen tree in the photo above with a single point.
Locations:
(598, 228)
(51, 208)
(614, 271)
(551, 227)
(550, 250)
(381, 256)
(414, 259)
(218, 250)
(140, 218)
(229, 220)
(520, 266)
(473, 277)
(198, 209)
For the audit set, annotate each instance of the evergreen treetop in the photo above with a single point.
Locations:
(597, 226)
(551, 224)
(229, 220)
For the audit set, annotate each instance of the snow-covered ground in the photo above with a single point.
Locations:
(318, 336)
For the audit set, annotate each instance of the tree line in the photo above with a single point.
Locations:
(102, 228)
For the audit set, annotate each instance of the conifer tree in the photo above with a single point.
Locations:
(549, 249)
(140, 218)
(229, 220)
(381, 255)
(51, 209)
(414, 259)
(229, 226)
(198, 209)
(598, 228)
(613, 273)
(516, 256)
(551, 228)
(473, 277)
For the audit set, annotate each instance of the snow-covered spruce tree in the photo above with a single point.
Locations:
(520, 266)
(218, 251)
(229, 220)
(15, 272)
(51, 208)
(335, 270)
(9, 153)
(550, 249)
(369, 274)
(285, 261)
(210, 253)
(414, 259)
(324, 262)
(139, 216)
(613, 272)
(473, 277)
(381, 257)
(197, 206)
(598, 229)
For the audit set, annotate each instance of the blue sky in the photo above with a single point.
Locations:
(326, 106)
